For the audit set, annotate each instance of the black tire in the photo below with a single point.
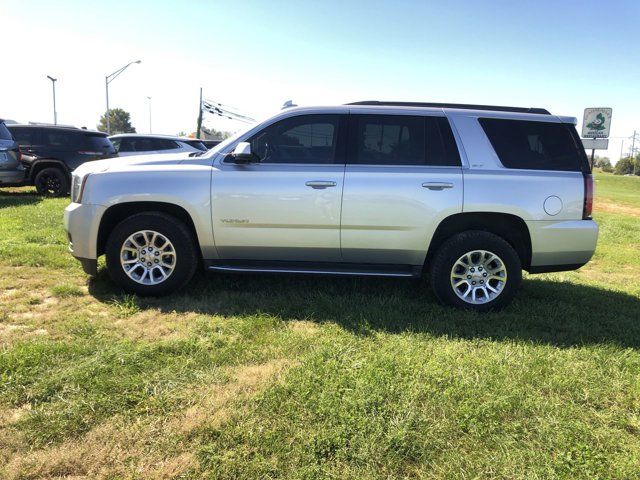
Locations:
(457, 246)
(186, 256)
(52, 182)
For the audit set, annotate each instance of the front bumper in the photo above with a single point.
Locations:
(82, 221)
(563, 245)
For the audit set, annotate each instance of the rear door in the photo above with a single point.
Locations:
(403, 177)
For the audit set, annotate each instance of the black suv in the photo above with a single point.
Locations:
(52, 152)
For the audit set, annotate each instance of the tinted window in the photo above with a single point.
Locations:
(162, 144)
(59, 140)
(441, 146)
(126, 145)
(303, 139)
(402, 140)
(24, 136)
(536, 145)
(5, 134)
(97, 143)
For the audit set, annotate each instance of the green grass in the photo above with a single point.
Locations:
(287, 377)
(618, 189)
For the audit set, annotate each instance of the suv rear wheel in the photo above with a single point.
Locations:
(52, 182)
(151, 254)
(476, 270)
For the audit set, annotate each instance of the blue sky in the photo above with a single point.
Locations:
(562, 55)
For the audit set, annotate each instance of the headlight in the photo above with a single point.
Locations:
(77, 187)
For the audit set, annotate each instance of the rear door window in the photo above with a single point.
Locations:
(402, 140)
(534, 145)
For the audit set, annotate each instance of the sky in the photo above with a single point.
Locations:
(254, 55)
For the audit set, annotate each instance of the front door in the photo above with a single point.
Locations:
(286, 205)
(402, 178)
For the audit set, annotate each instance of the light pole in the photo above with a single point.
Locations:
(55, 114)
(110, 78)
(150, 130)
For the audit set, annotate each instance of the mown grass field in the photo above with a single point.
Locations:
(287, 377)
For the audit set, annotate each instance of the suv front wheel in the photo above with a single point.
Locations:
(476, 270)
(151, 254)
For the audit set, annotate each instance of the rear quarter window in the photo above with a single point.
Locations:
(531, 145)
(5, 134)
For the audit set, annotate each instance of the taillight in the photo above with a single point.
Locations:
(587, 207)
(19, 154)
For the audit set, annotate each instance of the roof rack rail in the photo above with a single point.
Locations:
(462, 106)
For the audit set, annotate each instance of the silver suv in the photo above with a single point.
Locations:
(468, 195)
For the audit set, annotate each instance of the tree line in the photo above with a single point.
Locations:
(624, 166)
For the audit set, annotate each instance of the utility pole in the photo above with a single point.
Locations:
(633, 151)
(150, 129)
(55, 114)
(199, 116)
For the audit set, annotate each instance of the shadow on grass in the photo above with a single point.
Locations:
(545, 311)
(16, 197)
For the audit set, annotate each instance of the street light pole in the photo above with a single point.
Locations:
(150, 129)
(55, 114)
(107, 80)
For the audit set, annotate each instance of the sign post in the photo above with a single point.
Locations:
(596, 125)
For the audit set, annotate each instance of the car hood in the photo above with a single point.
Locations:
(126, 163)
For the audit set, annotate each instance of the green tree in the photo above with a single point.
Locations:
(624, 166)
(603, 163)
(120, 121)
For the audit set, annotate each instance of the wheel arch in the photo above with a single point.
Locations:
(119, 212)
(38, 165)
(510, 227)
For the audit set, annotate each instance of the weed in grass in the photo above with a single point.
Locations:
(126, 306)
(65, 290)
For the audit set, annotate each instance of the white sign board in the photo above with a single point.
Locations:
(595, 143)
(596, 122)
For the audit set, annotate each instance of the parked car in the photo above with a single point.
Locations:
(52, 152)
(11, 170)
(134, 144)
(466, 195)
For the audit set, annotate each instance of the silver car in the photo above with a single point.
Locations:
(466, 195)
(127, 144)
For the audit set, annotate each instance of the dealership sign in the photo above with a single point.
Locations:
(596, 122)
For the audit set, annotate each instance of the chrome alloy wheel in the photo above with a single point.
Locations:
(478, 277)
(148, 257)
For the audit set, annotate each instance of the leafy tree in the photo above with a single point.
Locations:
(120, 122)
(603, 163)
(624, 166)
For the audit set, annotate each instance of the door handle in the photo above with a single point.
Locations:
(318, 184)
(437, 185)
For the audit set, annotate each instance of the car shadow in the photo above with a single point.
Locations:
(549, 312)
(12, 197)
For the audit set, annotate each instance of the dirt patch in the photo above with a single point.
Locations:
(161, 448)
(610, 207)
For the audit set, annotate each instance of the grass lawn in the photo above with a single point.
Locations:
(246, 377)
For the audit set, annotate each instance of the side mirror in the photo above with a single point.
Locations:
(242, 153)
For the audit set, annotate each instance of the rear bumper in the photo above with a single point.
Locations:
(82, 221)
(12, 177)
(564, 245)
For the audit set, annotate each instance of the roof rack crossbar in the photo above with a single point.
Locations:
(462, 106)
